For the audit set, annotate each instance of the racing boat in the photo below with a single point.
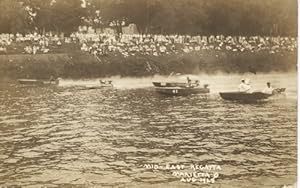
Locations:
(103, 84)
(169, 84)
(179, 89)
(38, 82)
(106, 83)
(254, 96)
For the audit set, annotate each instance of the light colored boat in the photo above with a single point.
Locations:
(103, 84)
(179, 88)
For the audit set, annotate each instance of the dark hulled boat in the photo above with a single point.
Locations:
(254, 96)
(244, 96)
(37, 82)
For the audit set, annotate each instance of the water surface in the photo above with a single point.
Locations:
(62, 136)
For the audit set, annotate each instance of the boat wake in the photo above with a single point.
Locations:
(216, 83)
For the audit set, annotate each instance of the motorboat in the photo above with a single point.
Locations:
(102, 84)
(253, 96)
(180, 88)
(38, 82)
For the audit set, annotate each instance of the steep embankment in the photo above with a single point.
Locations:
(83, 65)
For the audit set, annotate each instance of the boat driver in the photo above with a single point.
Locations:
(52, 79)
(268, 89)
(189, 82)
(243, 87)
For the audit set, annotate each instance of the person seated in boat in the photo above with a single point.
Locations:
(244, 87)
(189, 82)
(269, 89)
(57, 80)
(52, 79)
(197, 83)
(106, 82)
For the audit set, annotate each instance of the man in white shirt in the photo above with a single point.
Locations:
(243, 87)
(268, 89)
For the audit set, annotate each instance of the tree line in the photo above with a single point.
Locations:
(193, 17)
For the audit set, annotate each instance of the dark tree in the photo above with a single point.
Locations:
(13, 17)
(230, 17)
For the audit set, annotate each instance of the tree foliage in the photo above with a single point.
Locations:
(13, 17)
(238, 17)
(234, 17)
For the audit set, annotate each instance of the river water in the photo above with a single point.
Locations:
(64, 137)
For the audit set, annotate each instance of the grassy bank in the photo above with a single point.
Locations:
(83, 65)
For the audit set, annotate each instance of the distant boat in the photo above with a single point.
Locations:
(254, 96)
(38, 82)
(103, 84)
(179, 88)
(106, 83)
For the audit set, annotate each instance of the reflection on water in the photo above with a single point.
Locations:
(54, 136)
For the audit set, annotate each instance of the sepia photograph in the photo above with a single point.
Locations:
(148, 93)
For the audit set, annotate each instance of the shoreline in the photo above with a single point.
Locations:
(80, 65)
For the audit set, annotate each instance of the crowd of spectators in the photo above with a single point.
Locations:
(167, 44)
(133, 44)
(33, 43)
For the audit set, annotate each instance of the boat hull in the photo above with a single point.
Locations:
(178, 91)
(97, 87)
(36, 82)
(169, 84)
(242, 96)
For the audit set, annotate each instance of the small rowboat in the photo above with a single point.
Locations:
(37, 82)
(254, 96)
(179, 89)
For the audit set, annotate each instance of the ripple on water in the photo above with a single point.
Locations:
(53, 137)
